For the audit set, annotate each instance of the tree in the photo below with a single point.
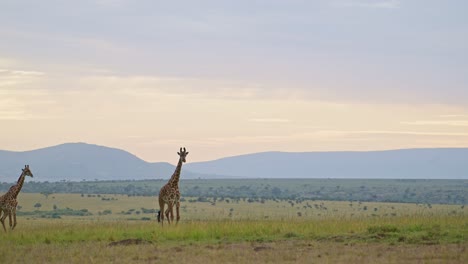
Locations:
(46, 194)
(38, 205)
(276, 192)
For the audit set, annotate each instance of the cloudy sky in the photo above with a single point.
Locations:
(224, 78)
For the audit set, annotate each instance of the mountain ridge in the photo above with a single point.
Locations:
(420, 163)
(82, 161)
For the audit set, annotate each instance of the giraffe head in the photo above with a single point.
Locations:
(27, 171)
(182, 154)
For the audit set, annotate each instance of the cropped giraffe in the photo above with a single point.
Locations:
(8, 201)
(170, 194)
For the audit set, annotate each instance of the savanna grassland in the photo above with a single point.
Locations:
(122, 228)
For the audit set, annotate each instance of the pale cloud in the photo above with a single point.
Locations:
(17, 98)
(452, 116)
(11, 79)
(392, 132)
(86, 78)
(138, 85)
(20, 73)
(455, 123)
(11, 113)
(269, 120)
(318, 137)
(26, 105)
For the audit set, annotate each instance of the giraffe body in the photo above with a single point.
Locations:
(170, 195)
(8, 202)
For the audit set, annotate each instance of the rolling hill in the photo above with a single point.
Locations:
(81, 161)
(443, 163)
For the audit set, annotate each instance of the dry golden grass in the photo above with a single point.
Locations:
(229, 209)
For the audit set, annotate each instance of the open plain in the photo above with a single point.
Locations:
(81, 228)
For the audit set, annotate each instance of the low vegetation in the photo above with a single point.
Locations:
(364, 190)
(402, 230)
(94, 227)
(412, 238)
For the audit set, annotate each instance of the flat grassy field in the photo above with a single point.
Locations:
(74, 228)
(377, 190)
(113, 207)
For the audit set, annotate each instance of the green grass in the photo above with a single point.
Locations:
(233, 232)
(82, 217)
(416, 230)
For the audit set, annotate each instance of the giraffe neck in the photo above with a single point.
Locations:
(174, 181)
(19, 185)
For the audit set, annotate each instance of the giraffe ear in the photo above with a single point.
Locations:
(178, 153)
(186, 153)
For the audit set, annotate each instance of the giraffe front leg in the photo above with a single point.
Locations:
(172, 214)
(177, 211)
(14, 219)
(167, 212)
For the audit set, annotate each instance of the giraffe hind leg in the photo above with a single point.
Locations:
(3, 219)
(9, 221)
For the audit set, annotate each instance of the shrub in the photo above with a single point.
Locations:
(382, 229)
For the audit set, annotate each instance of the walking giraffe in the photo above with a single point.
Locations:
(8, 201)
(170, 194)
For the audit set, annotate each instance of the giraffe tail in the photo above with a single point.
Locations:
(159, 216)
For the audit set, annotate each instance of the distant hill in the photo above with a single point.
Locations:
(81, 161)
(440, 163)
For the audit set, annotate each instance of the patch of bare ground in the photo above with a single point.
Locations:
(288, 251)
(315, 252)
(318, 252)
(127, 242)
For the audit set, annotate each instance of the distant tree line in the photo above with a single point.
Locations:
(365, 190)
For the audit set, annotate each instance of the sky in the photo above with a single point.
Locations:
(225, 78)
